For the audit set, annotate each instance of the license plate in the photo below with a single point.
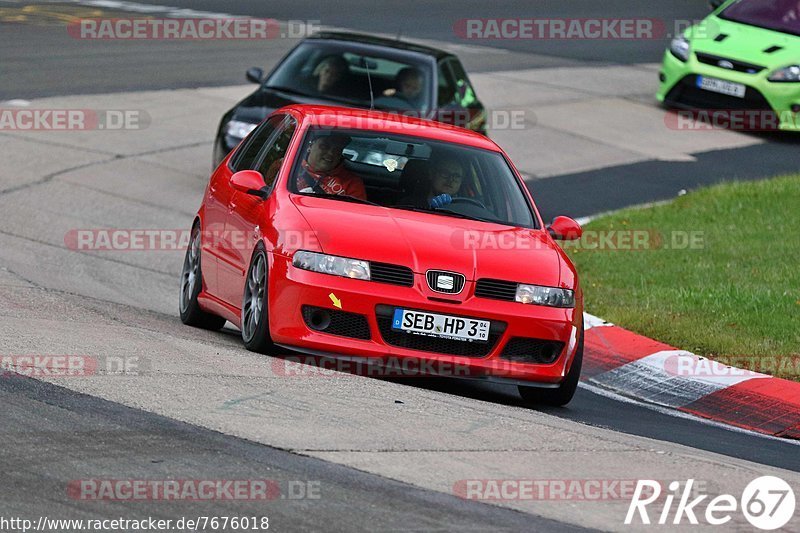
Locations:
(442, 326)
(721, 86)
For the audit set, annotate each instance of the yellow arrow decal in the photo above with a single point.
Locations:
(336, 301)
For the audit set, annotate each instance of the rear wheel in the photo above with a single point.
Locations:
(565, 391)
(255, 317)
(191, 283)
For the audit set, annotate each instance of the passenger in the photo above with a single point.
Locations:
(408, 86)
(322, 172)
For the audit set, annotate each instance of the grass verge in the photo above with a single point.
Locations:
(716, 272)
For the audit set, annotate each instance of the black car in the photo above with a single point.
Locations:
(362, 71)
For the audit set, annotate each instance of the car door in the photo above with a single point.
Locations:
(215, 251)
(246, 212)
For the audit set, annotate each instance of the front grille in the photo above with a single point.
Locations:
(686, 93)
(445, 282)
(410, 341)
(527, 350)
(393, 274)
(335, 322)
(496, 289)
(738, 66)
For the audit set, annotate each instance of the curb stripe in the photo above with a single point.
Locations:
(644, 369)
(656, 378)
(611, 347)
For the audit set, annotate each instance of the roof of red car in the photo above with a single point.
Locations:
(361, 119)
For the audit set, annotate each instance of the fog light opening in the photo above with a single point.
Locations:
(548, 353)
(320, 320)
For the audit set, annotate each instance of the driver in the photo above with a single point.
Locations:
(322, 172)
(409, 84)
(445, 177)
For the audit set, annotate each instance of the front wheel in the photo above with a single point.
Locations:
(565, 391)
(255, 317)
(191, 283)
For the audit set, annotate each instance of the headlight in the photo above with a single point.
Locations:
(332, 264)
(790, 73)
(549, 296)
(238, 129)
(680, 47)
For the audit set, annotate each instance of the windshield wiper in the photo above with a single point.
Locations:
(288, 90)
(446, 212)
(343, 197)
(468, 217)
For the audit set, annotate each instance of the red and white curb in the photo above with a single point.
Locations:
(637, 367)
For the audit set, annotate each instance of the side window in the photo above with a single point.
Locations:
(454, 86)
(465, 95)
(245, 158)
(271, 157)
(447, 85)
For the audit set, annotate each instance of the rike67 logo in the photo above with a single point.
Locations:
(768, 503)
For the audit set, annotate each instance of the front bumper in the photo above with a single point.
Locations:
(678, 89)
(366, 306)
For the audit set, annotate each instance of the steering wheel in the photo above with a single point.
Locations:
(462, 200)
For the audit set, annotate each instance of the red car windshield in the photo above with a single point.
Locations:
(411, 173)
(777, 15)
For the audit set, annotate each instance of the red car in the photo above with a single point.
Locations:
(359, 234)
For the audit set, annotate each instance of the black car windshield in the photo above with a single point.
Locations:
(777, 15)
(411, 173)
(337, 71)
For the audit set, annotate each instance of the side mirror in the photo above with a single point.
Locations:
(255, 74)
(249, 182)
(565, 229)
(715, 4)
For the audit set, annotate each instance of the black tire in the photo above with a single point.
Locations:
(565, 391)
(191, 283)
(255, 311)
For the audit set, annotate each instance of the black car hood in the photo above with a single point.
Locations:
(258, 105)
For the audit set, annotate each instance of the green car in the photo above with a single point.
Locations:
(744, 57)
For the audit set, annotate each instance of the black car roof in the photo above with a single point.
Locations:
(382, 41)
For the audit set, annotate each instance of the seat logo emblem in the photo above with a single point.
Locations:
(446, 283)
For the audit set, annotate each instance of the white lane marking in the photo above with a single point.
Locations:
(591, 321)
(680, 414)
(169, 11)
(672, 378)
(16, 103)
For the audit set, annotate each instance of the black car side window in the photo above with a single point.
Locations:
(245, 158)
(454, 86)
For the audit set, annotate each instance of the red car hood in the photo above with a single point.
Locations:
(425, 241)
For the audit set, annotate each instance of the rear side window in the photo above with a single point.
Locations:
(245, 158)
(454, 86)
